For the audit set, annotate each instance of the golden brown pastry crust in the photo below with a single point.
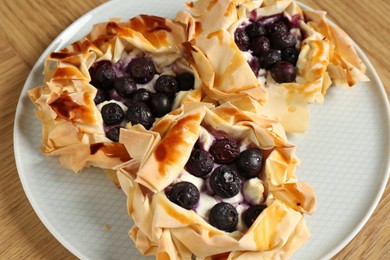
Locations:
(327, 55)
(345, 68)
(65, 101)
(224, 71)
(164, 229)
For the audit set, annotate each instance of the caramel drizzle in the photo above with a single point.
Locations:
(111, 150)
(67, 109)
(168, 151)
(153, 28)
(212, 4)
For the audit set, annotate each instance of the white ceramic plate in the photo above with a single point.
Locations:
(345, 155)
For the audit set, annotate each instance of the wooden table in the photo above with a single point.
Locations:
(28, 27)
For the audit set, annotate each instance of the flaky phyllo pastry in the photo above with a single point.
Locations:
(234, 209)
(295, 55)
(121, 74)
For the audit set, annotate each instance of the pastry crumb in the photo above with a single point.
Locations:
(106, 227)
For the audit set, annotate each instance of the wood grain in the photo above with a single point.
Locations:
(28, 27)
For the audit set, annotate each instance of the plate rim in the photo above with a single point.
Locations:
(57, 42)
(386, 176)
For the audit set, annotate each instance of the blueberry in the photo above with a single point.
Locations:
(186, 81)
(260, 45)
(124, 86)
(113, 133)
(251, 214)
(200, 163)
(255, 30)
(184, 194)
(142, 70)
(160, 104)
(102, 75)
(224, 151)
(139, 113)
(277, 27)
(250, 163)
(224, 182)
(255, 65)
(241, 39)
(290, 55)
(270, 58)
(141, 95)
(101, 96)
(283, 40)
(295, 21)
(166, 84)
(283, 72)
(224, 217)
(112, 114)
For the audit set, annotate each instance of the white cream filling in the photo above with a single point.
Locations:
(123, 106)
(262, 75)
(149, 85)
(240, 209)
(206, 202)
(128, 56)
(186, 176)
(247, 55)
(235, 200)
(205, 139)
(253, 190)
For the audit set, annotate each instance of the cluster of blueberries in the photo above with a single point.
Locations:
(225, 181)
(143, 105)
(273, 47)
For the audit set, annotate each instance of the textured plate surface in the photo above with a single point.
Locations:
(345, 157)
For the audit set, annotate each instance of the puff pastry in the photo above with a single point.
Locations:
(72, 124)
(326, 55)
(169, 231)
(254, 108)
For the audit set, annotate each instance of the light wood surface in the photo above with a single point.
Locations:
(28, 27)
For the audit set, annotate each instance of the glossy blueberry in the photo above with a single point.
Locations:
(101, 96)
(113, 133)
(102, 75)
(277, 27)
(290, 55)
(250, 163)
(283, 72)
(166, 84)
(112, 114)
(283, 40)
(142, 69)
(124, 86)
(141, 95)
(260, 45)
(251, 214)
(186, 81)
(224, 151)
(160, 104)
(139, 113)
(200, 163)
(224, 182)
(270, 58)
(185, 194)
(224, 217)
(241, 39)
(255, 65)
(255, 30)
